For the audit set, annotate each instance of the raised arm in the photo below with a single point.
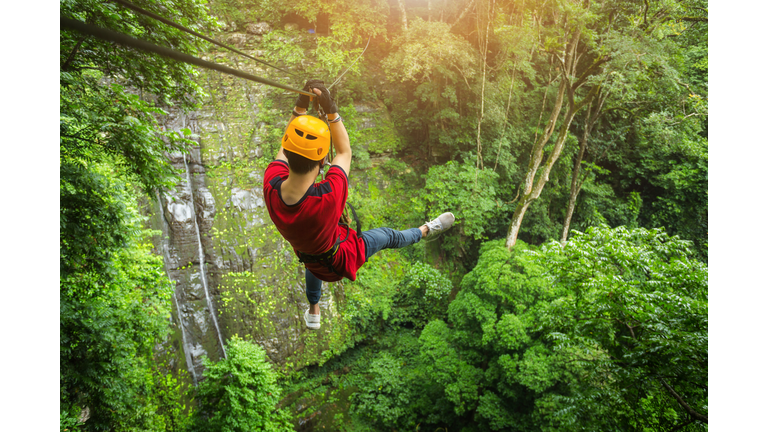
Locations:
(343, 156)
(339, 133)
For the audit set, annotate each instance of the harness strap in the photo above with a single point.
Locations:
(325, 258)
(354, 215)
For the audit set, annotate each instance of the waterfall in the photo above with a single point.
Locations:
(202, 260)
(187, 355)
(166, 260)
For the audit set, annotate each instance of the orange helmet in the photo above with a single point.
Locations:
(308, 136)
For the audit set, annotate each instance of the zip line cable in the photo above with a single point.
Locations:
(350, 66)
(194, 33)
(132, 42)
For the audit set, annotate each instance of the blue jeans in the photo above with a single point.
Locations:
(374, 241)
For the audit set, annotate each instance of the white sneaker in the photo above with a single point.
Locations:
(312, 321)
(442, 223)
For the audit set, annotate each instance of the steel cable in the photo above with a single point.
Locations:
(192, 32)
(132, 42)
(350, 66)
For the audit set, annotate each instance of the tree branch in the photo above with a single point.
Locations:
(683, 119)
(681, 425)
(462, 75)
(464, 12)
(685, 406)
(645, 13)
(71, 56)
(587, 73)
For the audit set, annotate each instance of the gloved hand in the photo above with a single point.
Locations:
(324, 99)
(303, 100)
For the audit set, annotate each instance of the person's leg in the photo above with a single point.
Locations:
(387, 238)
(314, 291)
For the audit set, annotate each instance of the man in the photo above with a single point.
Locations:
(307, 213)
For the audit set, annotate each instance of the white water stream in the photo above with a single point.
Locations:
(202, 260)
(187, 355)
(166, 260)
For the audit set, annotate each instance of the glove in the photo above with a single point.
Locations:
(325, 100)
(303, 100)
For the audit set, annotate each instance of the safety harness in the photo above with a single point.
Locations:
(326, 258)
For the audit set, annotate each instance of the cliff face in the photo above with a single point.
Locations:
(234, 273)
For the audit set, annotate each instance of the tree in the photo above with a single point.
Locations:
(114, 305)
(429, 67)
(240, 393)
(470, 193)
(114, 294)
(653, 81)
(606, 333)
(577, 180)
(568, 49)
(634, 302)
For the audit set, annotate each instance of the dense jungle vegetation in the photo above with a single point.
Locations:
(568, 137)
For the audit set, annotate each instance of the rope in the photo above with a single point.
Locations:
(350, 66)
(192, 32)
(132, 42)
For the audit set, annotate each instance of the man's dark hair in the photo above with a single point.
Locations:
(299, 164)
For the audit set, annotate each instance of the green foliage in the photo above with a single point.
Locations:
(462, 189)
(114, 294)
(585, 337)
(114, 304)
(428, 50)
(240, 393)
(680, 185)
(383, 399)
(69, 421)
(427, 69)
(471, 195)
(170, 81)
(350, 20)
(91, 221)
(101, 120)
(286, 47)
(370, 297)
(421, 296)
(239, 12)
(637, 299)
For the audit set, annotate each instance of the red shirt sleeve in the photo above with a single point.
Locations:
(340, 184)
(276, 168)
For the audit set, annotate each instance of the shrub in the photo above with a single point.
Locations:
(421, 296)
(240, 393)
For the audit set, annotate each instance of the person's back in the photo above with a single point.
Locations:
(307, 214)
(311, 225)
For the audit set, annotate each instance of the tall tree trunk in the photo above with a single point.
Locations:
(404, 19)
(533, 185)
(506, 116)
(464, 12)
(484, 49)
(576, 183)
(576, 180)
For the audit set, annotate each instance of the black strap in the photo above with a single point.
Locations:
(354, 215)
(325, 258)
